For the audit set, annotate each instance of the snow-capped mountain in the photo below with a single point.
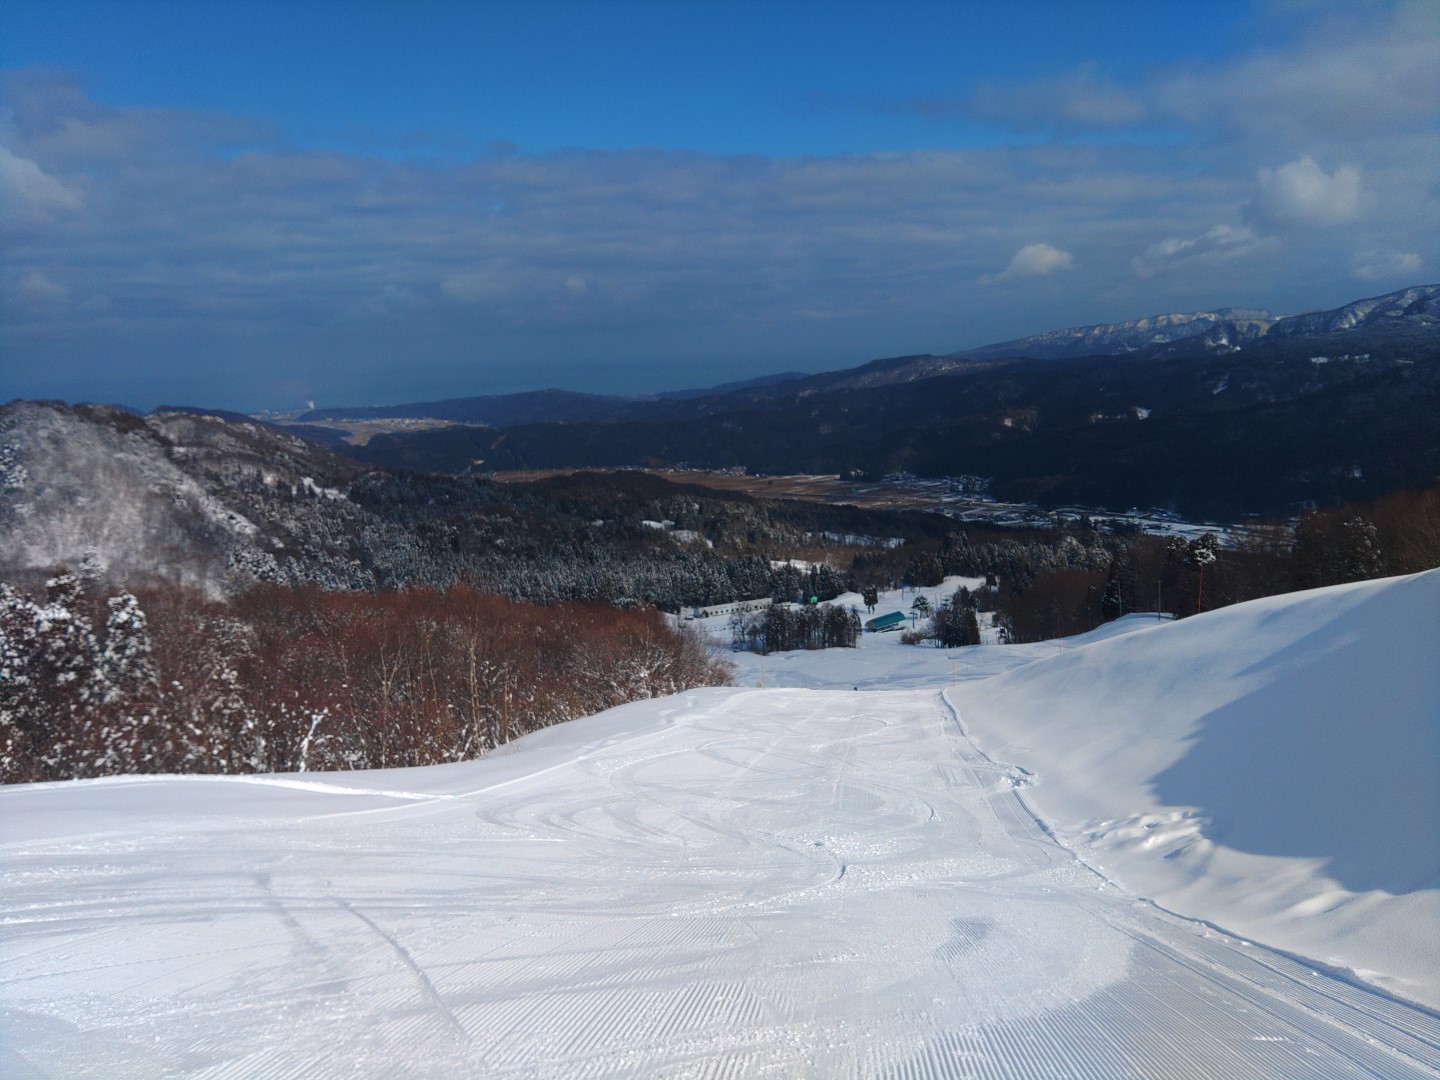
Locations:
(1220, 330)
(1198, 333)
(1418, 306)
(1236, 324)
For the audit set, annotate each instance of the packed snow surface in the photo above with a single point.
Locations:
(858, 869)
(1272, 767)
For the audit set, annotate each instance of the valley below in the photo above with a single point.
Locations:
(960, 498)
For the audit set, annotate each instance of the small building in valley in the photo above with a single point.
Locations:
(881, 623)
(731, 608)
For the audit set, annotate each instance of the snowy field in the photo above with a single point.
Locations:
(995, 861)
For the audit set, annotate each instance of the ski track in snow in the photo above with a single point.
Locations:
(770, 881)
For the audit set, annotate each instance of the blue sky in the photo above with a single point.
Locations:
(253, 205)
(737, 78)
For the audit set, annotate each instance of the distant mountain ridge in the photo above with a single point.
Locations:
(1239, 415)
(1239, 324)
(1218, 414)
(1198, 333)
(1419, 304)
(1223, 328)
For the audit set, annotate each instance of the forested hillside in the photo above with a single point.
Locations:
(295, 679)
(193, 593)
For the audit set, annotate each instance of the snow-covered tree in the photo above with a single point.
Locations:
(17, 679)
(782, 628)
(1111, 602)
(127, 663)
(1202, 553)
(1120, 586)
(51, 682)
(1360, 556)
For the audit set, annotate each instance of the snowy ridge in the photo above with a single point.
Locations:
(1420, 304)
(1221, 330)
(802, 881)
(1270, 767)
(1122, 337)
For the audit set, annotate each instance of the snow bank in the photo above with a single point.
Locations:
(1273, 768)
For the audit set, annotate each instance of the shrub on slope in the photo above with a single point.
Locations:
(279, 680)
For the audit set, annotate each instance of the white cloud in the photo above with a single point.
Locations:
(1383, 76)
(28, 194)
(1085, 100)
(1337, 77)
(478, 286)
(36, 290)
(1386, 265)
(1301, 193)
(1031, 261)
(320, 267)
(1219, 244)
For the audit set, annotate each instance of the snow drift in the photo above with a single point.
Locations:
(1273, 768)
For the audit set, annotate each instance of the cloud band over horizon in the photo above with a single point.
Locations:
(170, 254)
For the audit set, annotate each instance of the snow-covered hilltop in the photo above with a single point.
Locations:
(194, 499)
(855, 875)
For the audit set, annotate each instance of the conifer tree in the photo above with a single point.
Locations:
(1201, 553)
(127, 663)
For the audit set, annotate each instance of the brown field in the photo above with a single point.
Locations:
(360, 432)
(871, 494)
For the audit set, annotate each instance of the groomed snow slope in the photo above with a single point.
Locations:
(796, 882)
(1272, 767)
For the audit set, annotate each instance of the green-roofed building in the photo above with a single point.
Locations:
(881, 623)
